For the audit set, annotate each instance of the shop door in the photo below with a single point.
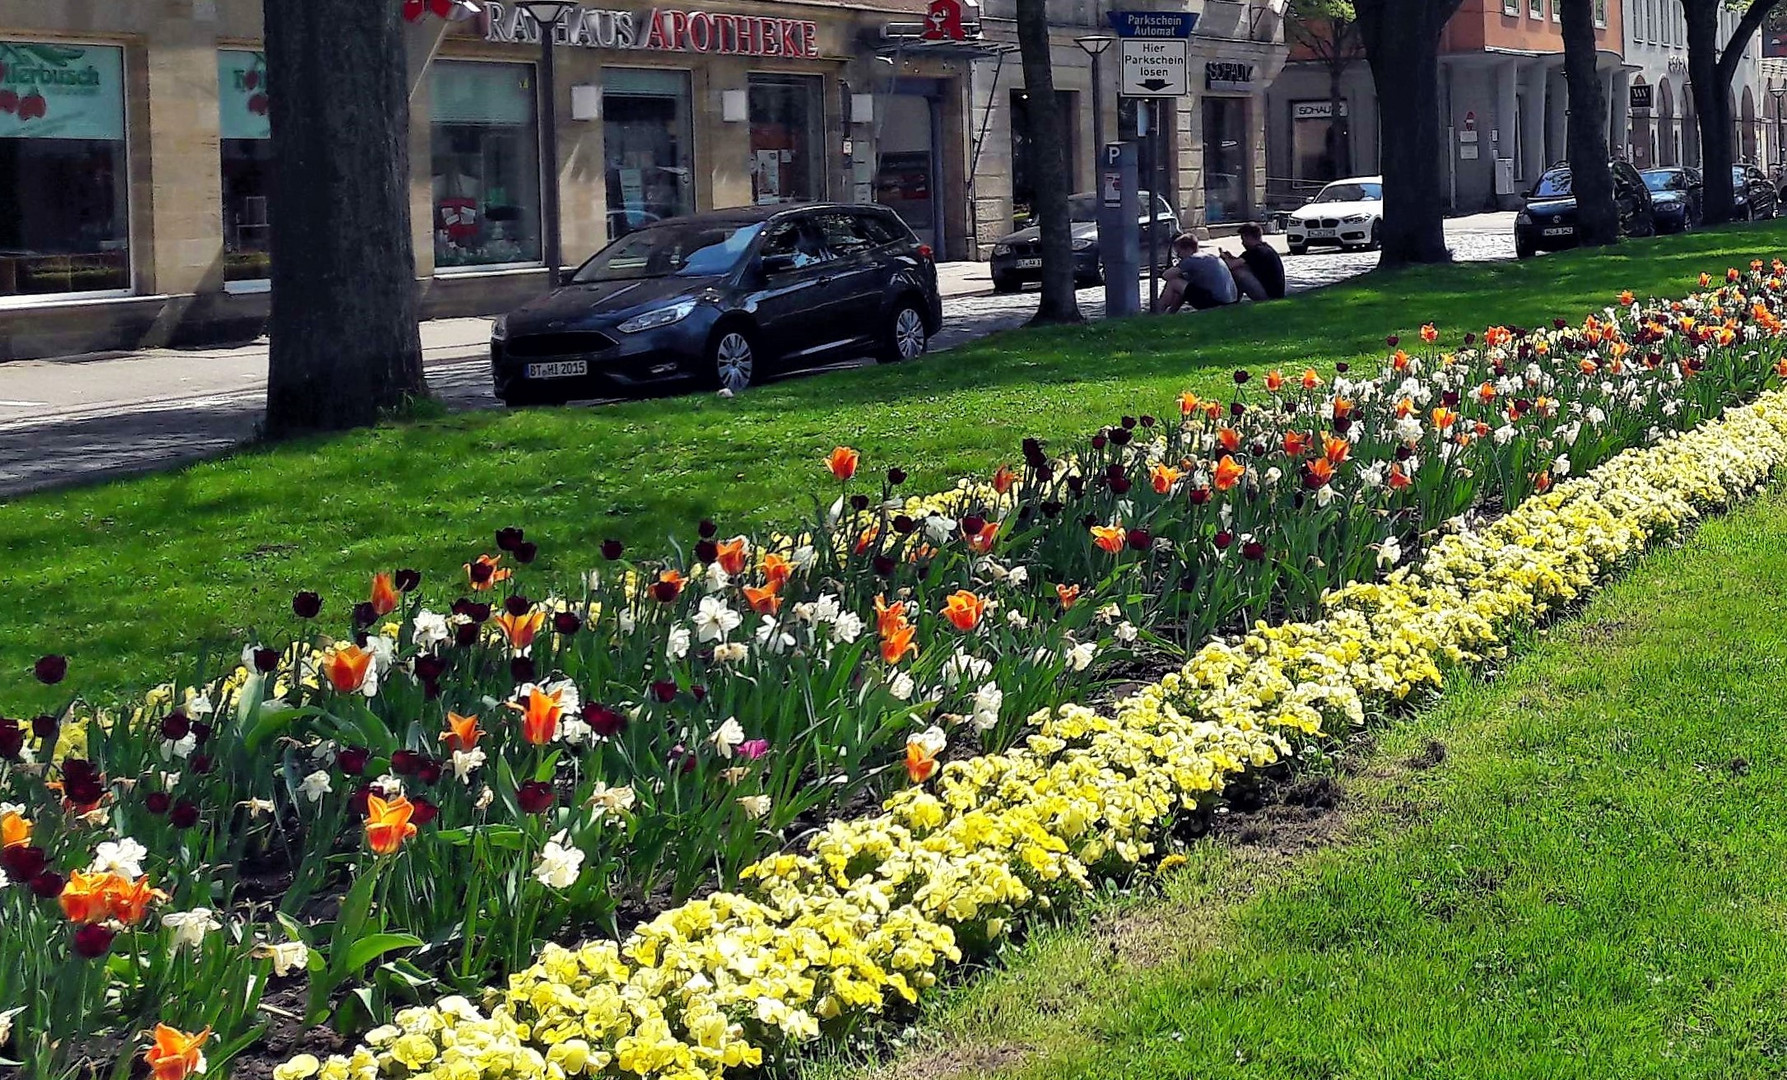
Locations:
(787, 139)
(647, 141)
(909, 172)
(1226, 183)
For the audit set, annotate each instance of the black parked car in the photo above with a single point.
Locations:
(1017, 258)
(723, 297)
(1549, 221)
(1752, 196)
(1675, 195)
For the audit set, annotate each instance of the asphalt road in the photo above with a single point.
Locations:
(75, 421)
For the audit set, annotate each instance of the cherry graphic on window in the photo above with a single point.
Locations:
(33, 106)
(251, 80)
(9, 101)
(257, 104)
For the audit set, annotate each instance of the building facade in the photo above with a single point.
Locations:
(1663, 129)
(135, 151)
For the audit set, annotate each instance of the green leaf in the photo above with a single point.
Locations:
(373, 946)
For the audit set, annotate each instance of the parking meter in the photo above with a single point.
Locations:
(1119, 236)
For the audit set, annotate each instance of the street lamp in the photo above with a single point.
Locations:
(546, 14)
(1778, 93)
(1095, 45)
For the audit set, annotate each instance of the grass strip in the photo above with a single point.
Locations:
(136, 578)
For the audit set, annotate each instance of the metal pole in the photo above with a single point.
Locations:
(1153, 204)
(551, 238)
(1097, 103)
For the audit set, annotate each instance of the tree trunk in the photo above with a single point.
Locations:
(1591, 180)
(1401, 39)
(344, 303)
(1048, 167)
(1712, 108)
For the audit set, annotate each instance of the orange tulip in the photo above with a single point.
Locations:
(1587, 366)
(1727, 335)
(897, 643)
(1295, 442)
(1108, 537)
(130, 900)
(669, 586)
(484, 573)
(1429, 334)
(777, 570)
(1486, 393)
(176, 1055)
(731, 556)
(1310, 379)
(1444, 418)
(462, 732)
(963, 609)
(1705, 280)
(15, 828)
(1188, 403)
(346, 667)
(1399, 480)
(1336, 449)
(1212, 410)
(1781, 369)
(1228, 473)
(1542, 482)
(87, 898)
(842, 462)
(763, 601)
(982, 542)
(921, 763)
(1626, 298)
(388, 824)
(1274, 381)
(385, 596)
(1229, 438)
(1497, 336)
(1400, 360)
(520, 630)
(1004, 479)
(867, 538)
(1163, 477)
(889, 617)
(1320, 471)
(1731, 274)
(1069, 595)
(540, 716)
(1343, 408)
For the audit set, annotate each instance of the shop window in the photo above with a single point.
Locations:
(646, 139)
(1318, 142)
(787, 139)
(247, 145)
(485, 147)
(1225, 160)
(1023, 157)
(64, 204)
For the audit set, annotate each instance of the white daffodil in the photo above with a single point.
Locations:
(190, 927)
(731, 652)
(987, 702)
(1126, 632)
(287, 956)
(756, 806)
(1079, 658)
(847, 627)
(677, 645)
(727, 738)
(607, 799)
(430, 629)
(558, 866)
(931, 740)
(1389, 553)
(714, 621)
(389, 785)
(123, 857)
(902, 686)
(315, 786)
(465, 762)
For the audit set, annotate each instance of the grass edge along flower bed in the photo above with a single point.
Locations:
(880, 905)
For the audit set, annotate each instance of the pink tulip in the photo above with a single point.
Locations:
(752, 749)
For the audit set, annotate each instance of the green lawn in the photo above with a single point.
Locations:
(136, 578)
(1590, 884)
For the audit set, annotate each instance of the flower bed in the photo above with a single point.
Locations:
(423, 800)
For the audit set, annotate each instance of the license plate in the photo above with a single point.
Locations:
(1559, 230)
(558, 369)
(1029, 264)
(1321, 232)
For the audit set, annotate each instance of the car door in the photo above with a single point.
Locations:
(853, 293)
(793, 271)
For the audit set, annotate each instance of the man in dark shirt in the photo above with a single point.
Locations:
(1267, 267)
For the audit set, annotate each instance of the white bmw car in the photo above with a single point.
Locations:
(1346, 214)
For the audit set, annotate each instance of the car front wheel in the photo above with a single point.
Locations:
(732, 359)
(905, 337)
(1298, 249)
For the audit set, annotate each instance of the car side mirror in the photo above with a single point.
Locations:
(1308, 199)
(777, 264)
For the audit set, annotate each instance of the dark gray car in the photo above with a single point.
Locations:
(1017, 258)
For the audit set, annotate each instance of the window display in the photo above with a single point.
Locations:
(646, 140)
(787, 139)
(486, 149)
(1225, 160)
(64, 182)
(247, 152)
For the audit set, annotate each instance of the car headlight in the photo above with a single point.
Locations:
(1355, 219)
(1002, 249)
(1523, 218)
(1083, 243)
(499, 330)
(663, 316)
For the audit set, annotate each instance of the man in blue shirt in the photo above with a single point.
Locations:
(1201, 280)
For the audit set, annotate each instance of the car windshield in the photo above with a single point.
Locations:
(1739, 176)
(676, 250)
(1085, 207)
(1351, 192)
(1554, 184)
(1665, 180)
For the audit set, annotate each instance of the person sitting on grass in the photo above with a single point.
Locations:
(1259, 272)
(1203, 281)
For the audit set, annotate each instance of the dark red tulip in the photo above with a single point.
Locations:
(518, 605)
(534, 797)
(51, 670)
(23, 862)
(523, 669)
(201, 764)
(176, 727)
(1140, 540)
(665, 692)
(306, 605)
(157, 802)
(896, 476)
(603, 720)
(508, 539)
(352, 759)
(407, 580)
(46, 727)
(266, 661)
(48, 885)
(201, 732)
(706, 551)
(365, 614)
(184, 815)
(612, 549)
(706, 529)
(422, 811)
(1241, 378)
(406, 762)
(526, 552)
(1222, 540)
(1253, 551)
(429, 667)
(566, 624)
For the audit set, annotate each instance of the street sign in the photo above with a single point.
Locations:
(1153, 24)
(1155, 67)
